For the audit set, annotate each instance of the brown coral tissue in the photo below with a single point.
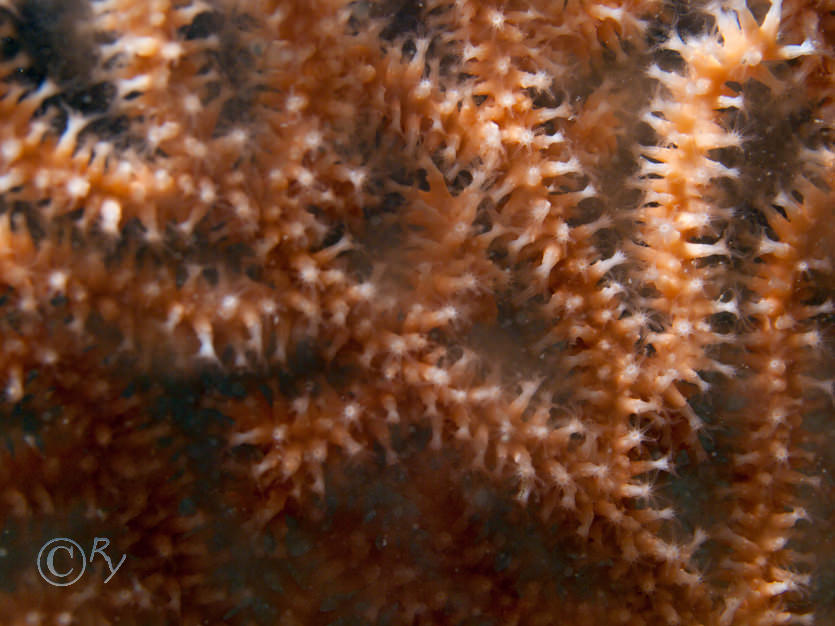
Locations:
(417, 312)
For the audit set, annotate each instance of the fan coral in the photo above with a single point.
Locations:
(400, 312)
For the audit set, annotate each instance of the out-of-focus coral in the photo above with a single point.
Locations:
(414, 312)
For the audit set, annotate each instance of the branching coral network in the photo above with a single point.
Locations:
(395, 312)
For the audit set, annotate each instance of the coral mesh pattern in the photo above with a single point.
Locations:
(392, 312)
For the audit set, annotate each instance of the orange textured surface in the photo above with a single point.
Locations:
(392, 312)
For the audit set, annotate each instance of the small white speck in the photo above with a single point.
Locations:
(534, 175)
(423, 89)
(351, 412)
(506, 100)
(296, 103)
(279, 433)
(313, 139)
(11, 149)
(196, 148)
(682, 327)
(305, 177)
(171, 51)
(163, 179)
(58, 280)
(228, 306)
(111, 214)
(77, 187)
(357, 178)
(238, 136)
(144, 46)
(33, 618)
(191, 103)
(497, 19)
(207, 192)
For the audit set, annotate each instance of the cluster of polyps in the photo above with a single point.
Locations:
(408, 246)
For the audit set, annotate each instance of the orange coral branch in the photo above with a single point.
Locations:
(418, 313)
